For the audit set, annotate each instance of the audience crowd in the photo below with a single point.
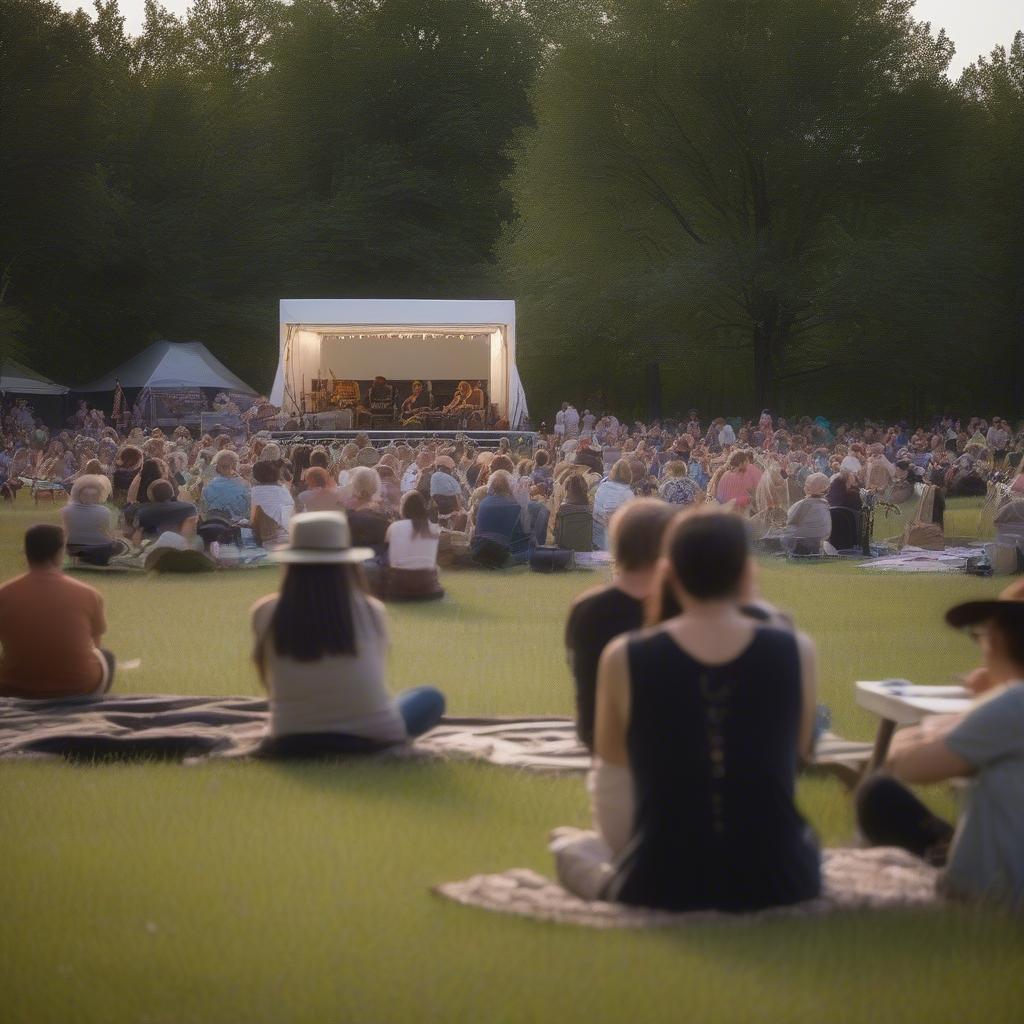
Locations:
(696, 698)
(802, 483)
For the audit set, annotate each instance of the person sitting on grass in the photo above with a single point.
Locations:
(983, 857)
(446, 493)
(739, 481)
(177, 531)
(51, 627)
(498, 536)
(161, 511)
(88, 524)
(599, 615)
(677, 487)
(808, 522)
(227, 492)
(574, 522)
(611, 493)
(710, 712)
(412, 552)
(126, 468)
(272, 503)
(366, 519)
(321, 494)
(321, 648)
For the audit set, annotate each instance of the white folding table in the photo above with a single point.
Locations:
(897, 702)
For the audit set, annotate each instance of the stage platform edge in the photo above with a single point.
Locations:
(484, 439)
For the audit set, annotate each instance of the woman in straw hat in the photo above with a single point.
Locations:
(983, 856)
(321, 649)
(88, 522)
(809, 522)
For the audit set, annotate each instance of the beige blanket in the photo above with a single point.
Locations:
(878, 879)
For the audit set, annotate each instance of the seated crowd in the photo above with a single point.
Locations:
(803, 483)
(696, 698)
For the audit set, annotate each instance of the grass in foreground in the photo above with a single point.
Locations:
(232, 892)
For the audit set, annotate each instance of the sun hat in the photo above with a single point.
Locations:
(970, 613)
(816, 484)
(320, 538)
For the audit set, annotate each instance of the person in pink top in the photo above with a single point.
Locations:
(739, 481)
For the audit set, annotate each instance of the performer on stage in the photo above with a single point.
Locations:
(414, 407)
(460, 401)
(347, 394)
(477, 403)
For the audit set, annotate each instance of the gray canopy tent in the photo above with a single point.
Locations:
(171, 383)
(46, 397)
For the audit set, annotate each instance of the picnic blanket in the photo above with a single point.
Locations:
(912, 559)
(875, 879)
(139, 725)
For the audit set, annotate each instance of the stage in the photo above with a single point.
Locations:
(421, 367)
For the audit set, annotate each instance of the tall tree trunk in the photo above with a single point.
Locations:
(763, 371)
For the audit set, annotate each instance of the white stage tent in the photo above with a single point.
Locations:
(401, 339)
(171, 364)
(16, 379)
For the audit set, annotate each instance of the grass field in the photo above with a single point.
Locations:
(262, 893)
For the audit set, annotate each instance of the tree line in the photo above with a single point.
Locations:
(758, 202)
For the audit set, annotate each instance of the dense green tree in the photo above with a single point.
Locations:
(996, 86)
(722, 186)
(178, 183)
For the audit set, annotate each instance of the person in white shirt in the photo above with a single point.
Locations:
(412, 553)
(272, 504)
(851, 464)
(560, 421)
(612, 492)
(572, 422)
(726, 436)
(587, 424)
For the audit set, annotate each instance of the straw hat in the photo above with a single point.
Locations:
(320, 538)
(816, 484)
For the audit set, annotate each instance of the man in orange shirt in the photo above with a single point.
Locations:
(50, 627)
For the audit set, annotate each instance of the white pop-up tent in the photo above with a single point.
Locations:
(401, 339)
(16, 379)
(171, 365)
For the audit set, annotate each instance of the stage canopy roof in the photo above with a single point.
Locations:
(400, 339)
(20, 380)
(171, 364)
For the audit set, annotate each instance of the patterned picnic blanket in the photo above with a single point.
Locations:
(876, 879)
(911, 559)
(168, 726)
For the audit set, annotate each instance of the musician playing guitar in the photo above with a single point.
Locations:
(416, 405)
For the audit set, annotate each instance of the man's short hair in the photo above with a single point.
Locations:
(160, 490)
(43, 543)
(637, 530)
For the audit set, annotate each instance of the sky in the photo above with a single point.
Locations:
(976, 26)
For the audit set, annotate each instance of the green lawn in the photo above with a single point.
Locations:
(245, 892)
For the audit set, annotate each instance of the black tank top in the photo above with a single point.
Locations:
(713, 751)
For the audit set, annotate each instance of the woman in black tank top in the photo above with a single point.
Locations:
(710, 711)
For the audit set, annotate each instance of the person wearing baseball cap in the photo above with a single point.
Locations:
(983, 856)
(321, 650)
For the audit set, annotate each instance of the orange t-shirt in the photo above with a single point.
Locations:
(50, 626)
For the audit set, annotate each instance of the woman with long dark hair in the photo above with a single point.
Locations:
(321, 648)
(412, 552)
